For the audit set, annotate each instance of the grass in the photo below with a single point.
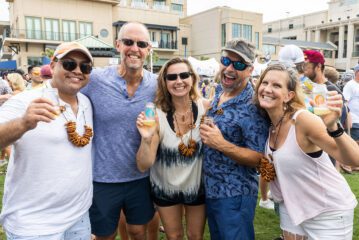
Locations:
(266, 222)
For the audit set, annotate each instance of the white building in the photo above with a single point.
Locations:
(339, 25)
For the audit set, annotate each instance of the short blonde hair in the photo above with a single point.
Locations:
(16, 81)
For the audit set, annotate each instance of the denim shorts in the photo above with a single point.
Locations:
(231, 218)
(354, 132)
(80, 230)
(108, 200)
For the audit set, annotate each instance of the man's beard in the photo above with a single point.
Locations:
(313, 76)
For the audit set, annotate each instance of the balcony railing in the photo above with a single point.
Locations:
(139, 4)
(45, 35)
(161, 6)
(355, 54)
(157, 5)
(168, 45)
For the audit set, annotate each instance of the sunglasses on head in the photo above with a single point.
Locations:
(238, 65)
(182, 75)
(130, 42)
(70, 65)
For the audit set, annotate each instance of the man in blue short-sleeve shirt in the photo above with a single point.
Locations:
(118, 95)
(233, 147)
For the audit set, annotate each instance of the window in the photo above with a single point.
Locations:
(165, 40)
(34, 61)
(223, 34)
(268, 49)
(269, 29)
(85, 29)
(33, 28)
(69, 30)
(52, 29)
(291, 26)
(327, 53)
(247, 32)
(177, 7)
(236, 30)
(153, 36)
(256, 36)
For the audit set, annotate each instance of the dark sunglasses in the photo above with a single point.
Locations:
(182, 75)
(238, 65)
(130, 42)
(70, 65)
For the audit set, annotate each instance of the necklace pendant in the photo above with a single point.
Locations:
(273, 131)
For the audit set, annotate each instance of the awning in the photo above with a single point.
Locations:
(8, 65)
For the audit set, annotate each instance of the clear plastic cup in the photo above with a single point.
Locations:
(319, 96)
(208, 121)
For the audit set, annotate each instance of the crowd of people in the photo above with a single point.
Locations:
(91, 164)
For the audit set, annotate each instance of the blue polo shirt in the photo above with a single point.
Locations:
(116, 138)
(242, 125)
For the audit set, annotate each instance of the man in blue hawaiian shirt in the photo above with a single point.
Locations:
(234, 146)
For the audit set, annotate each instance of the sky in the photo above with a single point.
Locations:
(271, 9)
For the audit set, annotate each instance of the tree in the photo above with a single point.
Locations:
(49, 52)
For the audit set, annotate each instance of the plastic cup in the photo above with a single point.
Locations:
(52, 94)
(208, 120)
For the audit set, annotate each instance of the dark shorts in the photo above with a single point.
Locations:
(167, 203)
(108, 200)
(354, 132)
(231, 218)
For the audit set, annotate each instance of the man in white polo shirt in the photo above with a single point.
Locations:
(48, 186)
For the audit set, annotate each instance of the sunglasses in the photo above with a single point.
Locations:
(70, 65)
(238, 65)
(182, 75)
(130, 42)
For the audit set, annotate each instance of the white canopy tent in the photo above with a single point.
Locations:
(206, 67)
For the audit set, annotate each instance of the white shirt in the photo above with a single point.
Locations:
(351, 94)
(48, 186)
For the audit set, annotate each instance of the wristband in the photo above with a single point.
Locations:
(336, 133)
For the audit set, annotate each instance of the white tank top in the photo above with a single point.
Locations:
(307, 186)
(172, 174)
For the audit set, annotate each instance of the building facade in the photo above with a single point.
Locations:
(37, 25)
(339, 25)
(211, 29)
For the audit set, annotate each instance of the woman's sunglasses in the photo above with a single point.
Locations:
(70, 65)
(238, 65)
(182, 75)
(130, 42)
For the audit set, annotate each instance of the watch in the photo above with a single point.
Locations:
(338, 132)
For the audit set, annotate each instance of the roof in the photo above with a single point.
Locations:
(301, 44)
(92, 42)
(97, 47)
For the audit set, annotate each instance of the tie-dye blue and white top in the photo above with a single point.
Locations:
(176, 178)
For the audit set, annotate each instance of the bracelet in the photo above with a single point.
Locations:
(336, 133)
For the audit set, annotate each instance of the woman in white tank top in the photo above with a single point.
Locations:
(315, 200)
(172, 149)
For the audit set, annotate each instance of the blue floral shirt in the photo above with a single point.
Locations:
(241, 124)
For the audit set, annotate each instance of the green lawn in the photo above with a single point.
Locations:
(266, 222)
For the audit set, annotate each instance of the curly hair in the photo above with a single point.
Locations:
(163, 98)
(293, 84)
